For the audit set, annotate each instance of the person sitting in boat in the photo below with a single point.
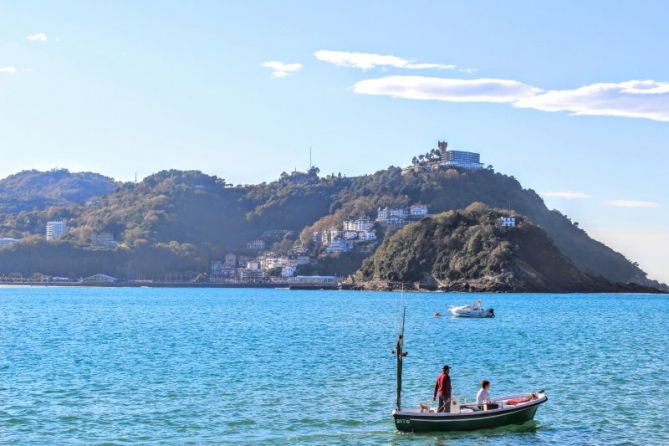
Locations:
(483, 396)
(443, 388)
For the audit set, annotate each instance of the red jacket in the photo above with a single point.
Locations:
(443, 386)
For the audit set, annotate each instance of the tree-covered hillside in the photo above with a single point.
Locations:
(193, 212)
(32, 189)
(469, 250)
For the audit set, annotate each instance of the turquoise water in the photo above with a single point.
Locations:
(219, 366)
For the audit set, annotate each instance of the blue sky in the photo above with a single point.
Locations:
(572, 98)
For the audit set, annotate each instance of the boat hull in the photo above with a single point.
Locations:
(479, 314)
(417, 422)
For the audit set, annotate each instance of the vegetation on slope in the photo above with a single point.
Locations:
(175, 208)
(32, 189)
(469, 250)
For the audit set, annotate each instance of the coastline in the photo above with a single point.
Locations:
(392, 287)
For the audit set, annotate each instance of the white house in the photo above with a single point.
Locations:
(418, 210)
(230, 261)
(339, 246)
(252, 266)
(55, 230)
(508, 222)
(392, 215)
(104, 239)
(366, 236)
(251, 275)
(256, 245)
(350, 235)
(360, 224)
(288, 271)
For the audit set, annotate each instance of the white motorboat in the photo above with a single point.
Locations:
(473, 310)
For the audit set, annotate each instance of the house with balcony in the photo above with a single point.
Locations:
(508, 222)
(104, 239)
(418, 211)
(392, 215)
(256, 245)
(339, 246)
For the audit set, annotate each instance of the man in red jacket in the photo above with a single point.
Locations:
(443, 388)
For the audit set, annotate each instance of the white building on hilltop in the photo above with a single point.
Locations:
(458, 158)
(55, 230)
(507, 222)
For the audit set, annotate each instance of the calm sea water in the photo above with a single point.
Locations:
(222, 366)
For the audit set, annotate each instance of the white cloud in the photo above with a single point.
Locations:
(11, 70)
(444, 89)
(567, 195)
(37, 37)
(633, 204)
(632, 99)
(367, 61)
(281, 69)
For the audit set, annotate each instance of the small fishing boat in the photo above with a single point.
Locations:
(501, 411)
(473, 310)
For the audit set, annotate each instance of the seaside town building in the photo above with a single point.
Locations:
(252, 265)
(418, 210)
(221, 270)
(315, 280)
(392, 216)
(230, 261)
(100, 278)
(366, 236)
(252, 275)
(339, 246)
(350, 235)
(256, 245)
(343, 239)
(288, 271)
(55, 230)
(7, 241)
(507, 222)
(359, 224)
(103, 239)
(271, 261)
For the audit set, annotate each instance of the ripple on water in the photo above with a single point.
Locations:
(160, 366)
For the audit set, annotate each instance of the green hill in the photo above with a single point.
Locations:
(32, 189)
(469, 250)
(188, 211)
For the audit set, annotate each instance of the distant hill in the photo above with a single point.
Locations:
(32, 189)
(469, 250)
(191, 212)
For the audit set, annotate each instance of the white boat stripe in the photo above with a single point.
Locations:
(469, 417)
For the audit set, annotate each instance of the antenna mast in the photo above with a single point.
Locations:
(400, 353)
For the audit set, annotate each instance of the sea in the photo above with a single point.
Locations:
(149, 366)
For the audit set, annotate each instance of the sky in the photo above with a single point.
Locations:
(571, 98)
